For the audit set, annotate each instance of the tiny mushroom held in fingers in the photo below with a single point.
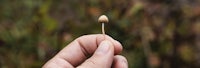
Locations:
(103, 19)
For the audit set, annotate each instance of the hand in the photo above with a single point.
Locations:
(90, 51)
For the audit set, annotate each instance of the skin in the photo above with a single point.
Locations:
(90, 51)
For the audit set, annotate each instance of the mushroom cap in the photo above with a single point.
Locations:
(103, 19)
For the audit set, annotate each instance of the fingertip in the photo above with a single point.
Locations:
(120, 62)
(105, 47)
(117, 45)
(122, 58)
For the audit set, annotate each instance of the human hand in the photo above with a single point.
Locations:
(90, 51)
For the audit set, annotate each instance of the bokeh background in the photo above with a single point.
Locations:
(154, 33)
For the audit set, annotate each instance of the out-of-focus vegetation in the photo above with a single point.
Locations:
(154, 33)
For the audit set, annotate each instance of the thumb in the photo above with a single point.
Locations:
(102, 57)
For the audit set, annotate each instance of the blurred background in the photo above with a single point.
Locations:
(154, 33)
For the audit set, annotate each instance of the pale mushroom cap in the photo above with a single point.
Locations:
(103, 19)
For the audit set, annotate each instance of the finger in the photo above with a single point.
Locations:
(81, 48)
(117, 45)
(119, 62)
(57, 63)
(102, 58)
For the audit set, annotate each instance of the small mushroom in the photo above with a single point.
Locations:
(103, 19)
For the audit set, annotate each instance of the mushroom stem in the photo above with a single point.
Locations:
(103, 30)
(103, 19)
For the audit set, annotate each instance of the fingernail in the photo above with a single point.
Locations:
(103, 47)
